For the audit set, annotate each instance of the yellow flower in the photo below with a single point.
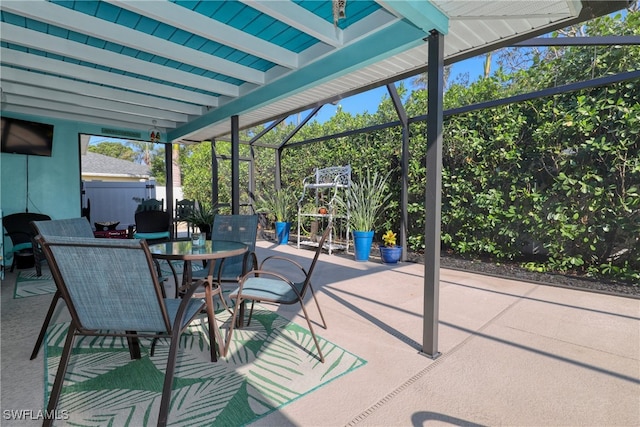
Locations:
(389, 238)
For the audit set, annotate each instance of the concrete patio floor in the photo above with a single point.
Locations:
(512, 353)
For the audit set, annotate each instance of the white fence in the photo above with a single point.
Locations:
(116, 201)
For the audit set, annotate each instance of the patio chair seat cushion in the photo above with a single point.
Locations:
(152, 236)
(269, 289)
(172, 305)
(22, 246)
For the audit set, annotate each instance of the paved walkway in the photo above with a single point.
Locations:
(512, 353)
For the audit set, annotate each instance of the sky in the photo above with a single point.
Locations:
(368, 101)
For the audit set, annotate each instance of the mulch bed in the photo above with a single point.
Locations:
(513, 270)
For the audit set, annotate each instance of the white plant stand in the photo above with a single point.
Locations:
(321, 190)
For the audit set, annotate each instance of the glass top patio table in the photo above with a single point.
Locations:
(209, 251)
(185, 251)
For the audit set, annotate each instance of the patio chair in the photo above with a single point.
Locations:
(18, 226)
(151, 205)
(263, 285)
(236, 228)
(125, 301)
(183, 212)
(153, 225)
(72, 227)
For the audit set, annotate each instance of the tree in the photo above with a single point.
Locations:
(196, 184)
(113, 149)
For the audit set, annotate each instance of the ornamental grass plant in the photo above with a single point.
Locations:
(278, 204)
(365, 200)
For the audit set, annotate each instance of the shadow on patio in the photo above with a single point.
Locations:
(513, 353)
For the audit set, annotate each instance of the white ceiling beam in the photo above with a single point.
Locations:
(98, 28)
(376, 21)
(75, 71)
(77, 112)
(210, 29)
(66, 48)
(373, 23)
(73, 86)
(93, 120)
(90, 102)
(299, 18)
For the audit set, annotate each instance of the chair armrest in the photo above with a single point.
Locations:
(249, 256)
(281, 258)
(184, 304)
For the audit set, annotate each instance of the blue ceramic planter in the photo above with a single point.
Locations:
(390, 254)
(362, 241)
(282, 232)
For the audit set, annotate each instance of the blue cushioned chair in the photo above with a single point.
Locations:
(273, 287)
(124, 299)
(153, 226)
(72, 227)
(235, 228)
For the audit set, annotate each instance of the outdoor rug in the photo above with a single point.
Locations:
(266, 369)
(28, 284)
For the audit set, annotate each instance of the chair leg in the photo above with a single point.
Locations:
(313, 294)
(250, 312)
(45, 324)
(160, 278)
(62, 370)
(215, 337)
(234, 319)
(165, 401)
(175, 279)
(134, 345)
(315, 339)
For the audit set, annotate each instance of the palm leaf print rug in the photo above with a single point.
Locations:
(270, 364)
(29, 284)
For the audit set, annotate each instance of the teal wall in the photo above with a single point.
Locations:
(54, 182)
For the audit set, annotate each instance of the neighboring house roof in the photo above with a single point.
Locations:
(95, 164)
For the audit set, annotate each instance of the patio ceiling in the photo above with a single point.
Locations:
(188, 66)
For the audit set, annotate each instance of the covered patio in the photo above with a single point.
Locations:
(513, 353)
(441, 346)
(185, 73)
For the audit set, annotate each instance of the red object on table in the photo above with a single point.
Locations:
(111, 234)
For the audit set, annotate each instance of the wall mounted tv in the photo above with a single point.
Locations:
(25, 137)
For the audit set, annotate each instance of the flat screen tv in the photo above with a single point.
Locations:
(25, 137)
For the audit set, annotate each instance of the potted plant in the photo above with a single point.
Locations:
(278, 205)
(390, 253)
(364, 201)
(202, 217)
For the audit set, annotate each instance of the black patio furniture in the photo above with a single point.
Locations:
(18, 227)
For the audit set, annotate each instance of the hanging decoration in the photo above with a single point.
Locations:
(154, 134)
(338, 11)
